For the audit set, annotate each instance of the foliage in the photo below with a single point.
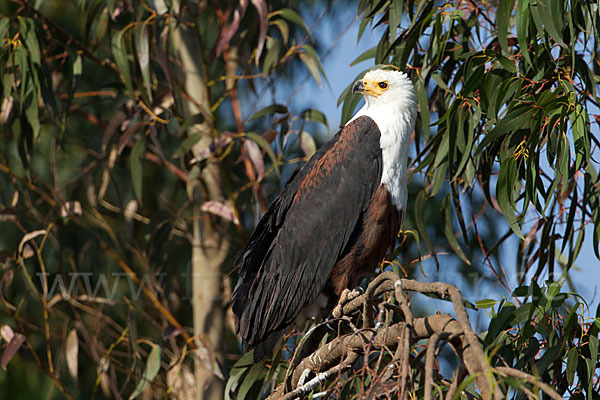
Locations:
(97, 178)
(547, 335)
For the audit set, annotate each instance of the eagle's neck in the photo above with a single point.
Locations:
(395, 122)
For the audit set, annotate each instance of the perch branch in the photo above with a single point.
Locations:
(322, 377)
(342, 352)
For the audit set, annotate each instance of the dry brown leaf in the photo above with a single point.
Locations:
(29, 236)
(256, 157)
(10, 350)
(6, 333)
(70, 208)
(222, 210)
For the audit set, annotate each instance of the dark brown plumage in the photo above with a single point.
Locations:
(332, 224)
(376, 235)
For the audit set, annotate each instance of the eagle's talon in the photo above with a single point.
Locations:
(353, 294)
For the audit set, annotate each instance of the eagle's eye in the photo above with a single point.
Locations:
(383, 85)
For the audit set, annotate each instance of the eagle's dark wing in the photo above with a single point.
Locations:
(291, 253)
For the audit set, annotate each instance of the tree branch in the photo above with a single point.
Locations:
(507, 371)
(337, 356)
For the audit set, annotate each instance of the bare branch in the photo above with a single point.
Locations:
(508, 371)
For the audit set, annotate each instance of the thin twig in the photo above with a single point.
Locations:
(457, 377)
(429, 360)
(508, 371)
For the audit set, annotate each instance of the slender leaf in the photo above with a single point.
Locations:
(152, 368)
(135, 164)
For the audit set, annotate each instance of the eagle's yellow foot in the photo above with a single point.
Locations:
(346, 297)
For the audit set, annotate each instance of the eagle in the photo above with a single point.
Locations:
(335, 219)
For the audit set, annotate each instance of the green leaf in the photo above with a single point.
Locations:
(423, 108)
(32, 112)
(507, 64)
(553, 289)
(503, 13)
(4, 27)
(420, 221)
(361, 28)
(120, 54)
(395, 17)
(438, 79)
(350, 104)
(96, 22)
(272, 109)
(497, 341)
(551, 12)
(518, 118)
(524, 313)
(283, 27)
(314, 115)
(187, 144)
(152, 368)
(257, 372)
(580, 136)
(569, 231)
(272, 55)
(522, 28)
(441, 153)
(549, 357)
(29, 36)
(142, 47)
(487, 303)
(439, 176)
(466, 150)
(367, 55)
(507, 177)
(291, 16)
(463, 385)
(593, 344)
(591, 370)
(522, 291)
(499, 322)
(240, 368)
(77, 66)
(311, 60)
(449, 231)
(20, 60)
(135, 164)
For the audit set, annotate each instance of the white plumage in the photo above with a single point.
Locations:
(394, 110)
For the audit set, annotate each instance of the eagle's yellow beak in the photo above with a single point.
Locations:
(369, 87)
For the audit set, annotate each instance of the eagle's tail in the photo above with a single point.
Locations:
(265, 346)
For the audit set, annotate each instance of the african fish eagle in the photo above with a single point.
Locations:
(334, 221)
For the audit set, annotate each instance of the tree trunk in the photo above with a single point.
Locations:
(210, 242)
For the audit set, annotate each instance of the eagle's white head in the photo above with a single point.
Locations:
(390, 101)
(382, 86)
(390, 90)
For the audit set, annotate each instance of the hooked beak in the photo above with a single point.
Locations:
(359, 87)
